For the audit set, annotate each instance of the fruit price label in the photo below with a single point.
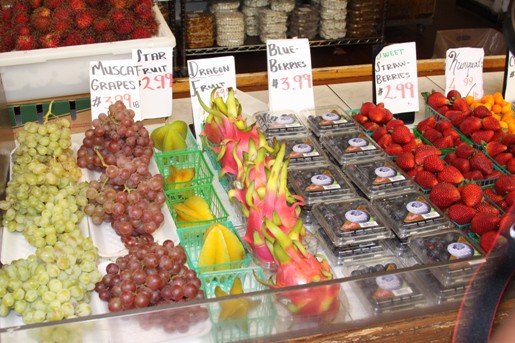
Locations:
(509, 78)
(396, 83)
(464, 71)
(290, 83)
(155, 71)
(112, 81)
(206, 75)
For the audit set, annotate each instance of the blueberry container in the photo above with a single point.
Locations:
(340, 255)
(302, 150)
(411, 213)
(282, 123)
(328, 119)
(351, 147)
(388, 291)
(450, 246)
(442, 294)
(378, 177)
(320, 183)
(350, 221)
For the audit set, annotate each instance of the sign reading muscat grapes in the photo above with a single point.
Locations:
(111, 81)
(464, 71)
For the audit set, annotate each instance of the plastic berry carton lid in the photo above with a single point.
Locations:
(351, 221)
(303, 150)
(339, 255)
(320, 183)
(440, 293)
(328, 119)
(378, 177)
(411, 213)
(351, 147)
(450, 246)
(280, 123)
(382, 263)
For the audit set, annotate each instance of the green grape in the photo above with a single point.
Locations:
(83, 310)
(63, 295)
(4, 310)
(20, 306)
(8, 300)
(48, 296)
(53, 270)
(43, 278)
(3, 292)
(68, 309)
(31, 295)
(18, 294)
(55, 285)
(39, 316)
(76, 292)
(55, 314)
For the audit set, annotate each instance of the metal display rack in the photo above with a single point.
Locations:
(253, 44)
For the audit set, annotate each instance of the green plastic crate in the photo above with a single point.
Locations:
(191, 239)
(205, 191)
(182, 160)
(19, 114)
(225, 279)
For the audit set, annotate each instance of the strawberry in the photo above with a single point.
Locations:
(432, 134)
(433, 164)
(443, 125)
(510, 198)
(450, 174)
(470, 125)
(388, 115)
(423, 151)
(473, 175)
(498, 135)
(393, 123)
(508, 139)
(461, 214)
(482, 163)
(483, 136)
(405, 160)
(510, 165)
(437, 99)
(379, 132)
(425, 179)
(443, 109)
(453, 94)
(451, 132)
(423, 125)
(401, 134)
(445, 142)
(412, 145)
(493, 148)
(491, 123)
(358, 117)
(505, 184)
(385, 141)
(493, 195)
(366, 107)
(457, 117)
(494, 174)
(481, 112)
(451, 156)
(471, 194)
(462, 164)
(444, 195)
(484, 222)
(489, 239)
(487, 208)
(370, 125)
(376, 114)
(460, 104)
(464, 150)
(393, 149)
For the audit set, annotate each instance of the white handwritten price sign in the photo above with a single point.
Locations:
(114, 80)
(509, 78)
(464, 71)
(155, 70)
(396, 82)
(205, 75)
(290, 82)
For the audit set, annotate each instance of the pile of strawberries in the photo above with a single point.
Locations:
(472, 163)
(503, 152)
(389, 133)
(34, 24)
(439, 133)
(503, 192)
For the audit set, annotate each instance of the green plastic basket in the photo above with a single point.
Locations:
(191, 145)
(258, 322)
(182, 160)
(225, 279)
(487, 182)
(207, 192)
(191, 239)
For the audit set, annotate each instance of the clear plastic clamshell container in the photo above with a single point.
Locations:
(351, 147)
(448, 247)
(444, 294)
(411, 213)
(339, 255)
(328, 119)
(387, 292)
(281, 123)
(351, 221)
(320, 183)
(303, 150)
(378, 177)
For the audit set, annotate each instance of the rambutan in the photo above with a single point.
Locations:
(26, 42)
(94, 3)
(52, 4)
(141, 32)
(23, 29)
(117, 14)
(76, 5)
(143, 9)
(83, 19)
(7, 41)
(101, 24)
(73, 38)
(21, 7)
(88, 38)
(41, 19)
(62, 13)
(50, 40)
(124, 26)
(35, 3)
(61, 26)
(122, 3)
(21, 18)
(108, 36)
(7, 14)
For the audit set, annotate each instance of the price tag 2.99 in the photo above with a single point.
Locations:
(290, 83)
(464, 71)
(396, 83)
(111, 81)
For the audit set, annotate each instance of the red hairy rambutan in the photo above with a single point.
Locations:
(83, 19)
(7, 41)
(141, 32)
(41, 19)
(35, 3)
(21, 7)
(108, 36)
(94, 3)
(122, 3)
(50, 40)
(26, 42)
(76, 5)
(53, 4)
(101, 24)
(23, 29)
(124, 26)
(21, 18)
(73, 38)
(62, 13)
(61, 26)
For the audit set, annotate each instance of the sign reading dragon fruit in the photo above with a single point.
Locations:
(206, 75)
(396, 82)
(464, 71)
